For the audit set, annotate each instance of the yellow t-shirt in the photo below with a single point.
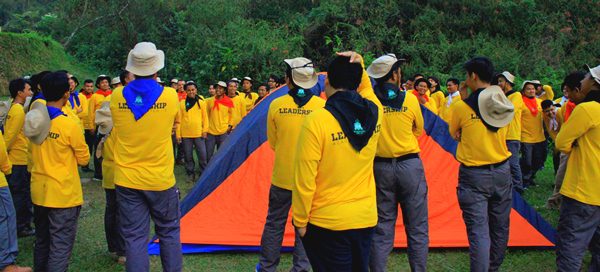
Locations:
(5, 164)
(108, 161)
(219, 118)
(249, 100)
(444, 108)
(70, 112)
(283, 129)
(55, 180)
(85, 114)
(431, 105)
(143, 152)
(514, 127)
(334, 185)
(193, 122)
(400, 129)
(439, 98)
(579, 137)
(532, 127)
(478, 145)
(239, 110)
(15, 139)
(94, 104)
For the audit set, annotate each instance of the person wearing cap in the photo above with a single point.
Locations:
(421, 91)
(579, 221)
(333, 195)
(484, 191)
(239, 104)
(17, 147)
(452, 85)
(435, 91)
(506, 82)
(220, 110)
(571, 83)
(398, 169)
(533, 140)
(173, 83)
(102, 94)
(192, 130)
(115, 83)
(543, 92)
(58, 146)
(284, 120)
(9, 247)
(143, 174)
(249, 96)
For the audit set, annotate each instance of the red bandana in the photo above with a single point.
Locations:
(569, 106)
(415, 92)
(104, 93)
(531, 104)
(225, 101)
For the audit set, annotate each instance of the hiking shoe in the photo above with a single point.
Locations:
(16, 268)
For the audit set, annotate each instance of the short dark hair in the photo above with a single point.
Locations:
(190, 84)
(547, 104)
(123, 75)
(482, 67)
(438, 87)
(416, 75)
(389, 75)
(453, 80)
(418, 81)
(88, 81)
(55, 85)
(37, 79)
(75, 79)
(16, 85)
(573, 80)
(342, 74)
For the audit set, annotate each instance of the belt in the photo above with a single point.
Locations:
(398, 159)
(487, 166)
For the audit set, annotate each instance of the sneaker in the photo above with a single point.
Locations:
(97, 179)
(16, 268)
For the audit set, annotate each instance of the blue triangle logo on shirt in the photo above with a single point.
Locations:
(358, 128)
(301, 93)
(392, 94)
(139, 101)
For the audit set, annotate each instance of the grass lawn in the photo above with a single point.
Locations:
(90, 253)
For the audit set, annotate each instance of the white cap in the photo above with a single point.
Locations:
(145, 60)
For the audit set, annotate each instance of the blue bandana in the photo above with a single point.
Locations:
(54, 112)
(74, 99)
(140, 95)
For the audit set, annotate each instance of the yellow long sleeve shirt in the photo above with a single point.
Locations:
(85, 114)
(431, 105)
(334, 186)
(284, 122)
(94, 104)
(478, 145)
(108, 161)
(579, 137)
(219, 119)
(400, 129)
(193, 122)
(5, 164)
(548, 93)
(444, 108)
(439, 98)
(55, 180)
(514, 127)
(239, 110)
(15, 139)
(532, 127)
(143, 151)
(249, 100)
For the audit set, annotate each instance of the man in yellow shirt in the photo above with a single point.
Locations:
(453, 97)
(220, 114)
(398, 169)
(421, 92)
(192, 130)
(579, 221)
(144, 114)
(506, 82)
(239, 105)
(17, 146)
(284, 121)
(102, 94)
(88, 125)
(247, 93)
(534, 147)
(55, 185)
(484, 189)
(333, 195)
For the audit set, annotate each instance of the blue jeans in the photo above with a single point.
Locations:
(135, 209)
(8, 229)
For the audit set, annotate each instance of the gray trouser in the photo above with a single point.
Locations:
(578, 229)
(485, 198)
(555, 198)
(212, 142)
(135, 209)
(401, 182)
(9, 247)
(533, 158)
(189, 144)
(280, 201)
(515, 167)
(55, 231)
